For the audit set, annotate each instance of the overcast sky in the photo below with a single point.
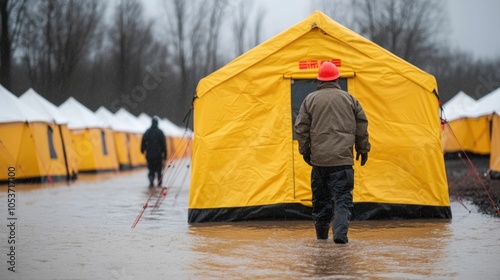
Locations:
(475, 24)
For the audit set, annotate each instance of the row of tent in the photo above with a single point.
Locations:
(473, 126)
(47, 143)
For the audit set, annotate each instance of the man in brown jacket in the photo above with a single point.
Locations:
(329, 123)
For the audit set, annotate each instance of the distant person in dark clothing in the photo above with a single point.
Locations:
(154, 147)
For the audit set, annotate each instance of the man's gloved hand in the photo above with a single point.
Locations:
(364, 158)
(307, 159)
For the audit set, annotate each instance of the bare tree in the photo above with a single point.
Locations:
(242, 31)
(177, 14)
(59, 36)
(240, 26)
(135, 52)
(458, 71)
(129, 34)
(409, 29)
(194, 29)
(338, 10)
(259, 21)
(12, 17)
(214, 25)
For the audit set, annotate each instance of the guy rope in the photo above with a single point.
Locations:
(473, 170)
(179, 152)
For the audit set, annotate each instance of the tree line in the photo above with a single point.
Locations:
(113, 54)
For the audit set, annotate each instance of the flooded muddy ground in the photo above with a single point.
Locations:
(468, 179)
(83, 231)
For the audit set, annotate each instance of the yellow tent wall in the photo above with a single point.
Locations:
(137, 159)
(128, 149)
(26, 147)
(89, 149)
(122, 146)
(495, 144)
(469, 134)
(245, 164)
(71, 156)
(178, 147)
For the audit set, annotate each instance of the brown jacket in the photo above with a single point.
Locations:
(329, 123)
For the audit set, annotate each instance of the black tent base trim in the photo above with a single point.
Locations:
(495, 175)
(124, 167)
(383, 211)
(297, 211)
(96, 171)
(273, 212)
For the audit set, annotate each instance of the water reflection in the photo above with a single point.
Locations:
(399, 248)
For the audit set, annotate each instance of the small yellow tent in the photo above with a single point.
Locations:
(125, 137)
(42, 105)
(30, 143)
(245, 162)
(92, 140)
(472, 129)
(137, 159)
(467, 134)
(462, 132)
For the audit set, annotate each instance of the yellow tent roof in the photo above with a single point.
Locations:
(327, 25)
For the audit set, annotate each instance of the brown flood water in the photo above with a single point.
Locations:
(83, 231)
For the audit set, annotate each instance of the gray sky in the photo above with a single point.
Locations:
(474, 24)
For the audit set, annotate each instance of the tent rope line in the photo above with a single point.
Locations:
(183, 180)
(176, 170)
(166, 189)
(459, 199)
(153, 191)
(474, 169)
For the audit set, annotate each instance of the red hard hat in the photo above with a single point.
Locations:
(328, 72)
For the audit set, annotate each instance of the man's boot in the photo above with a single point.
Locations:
(322, 231)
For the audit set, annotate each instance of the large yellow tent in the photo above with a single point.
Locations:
(93, 141)
(30, 143)
(246, 164)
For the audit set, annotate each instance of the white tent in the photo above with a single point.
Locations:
(131, 120)
(145, 120)
(458, 106)
(79, 116)
(116, 124)
(42, 105)
(13, 110)
(486, 105)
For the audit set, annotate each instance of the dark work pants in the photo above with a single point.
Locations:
(332, 197)
(155, 167)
